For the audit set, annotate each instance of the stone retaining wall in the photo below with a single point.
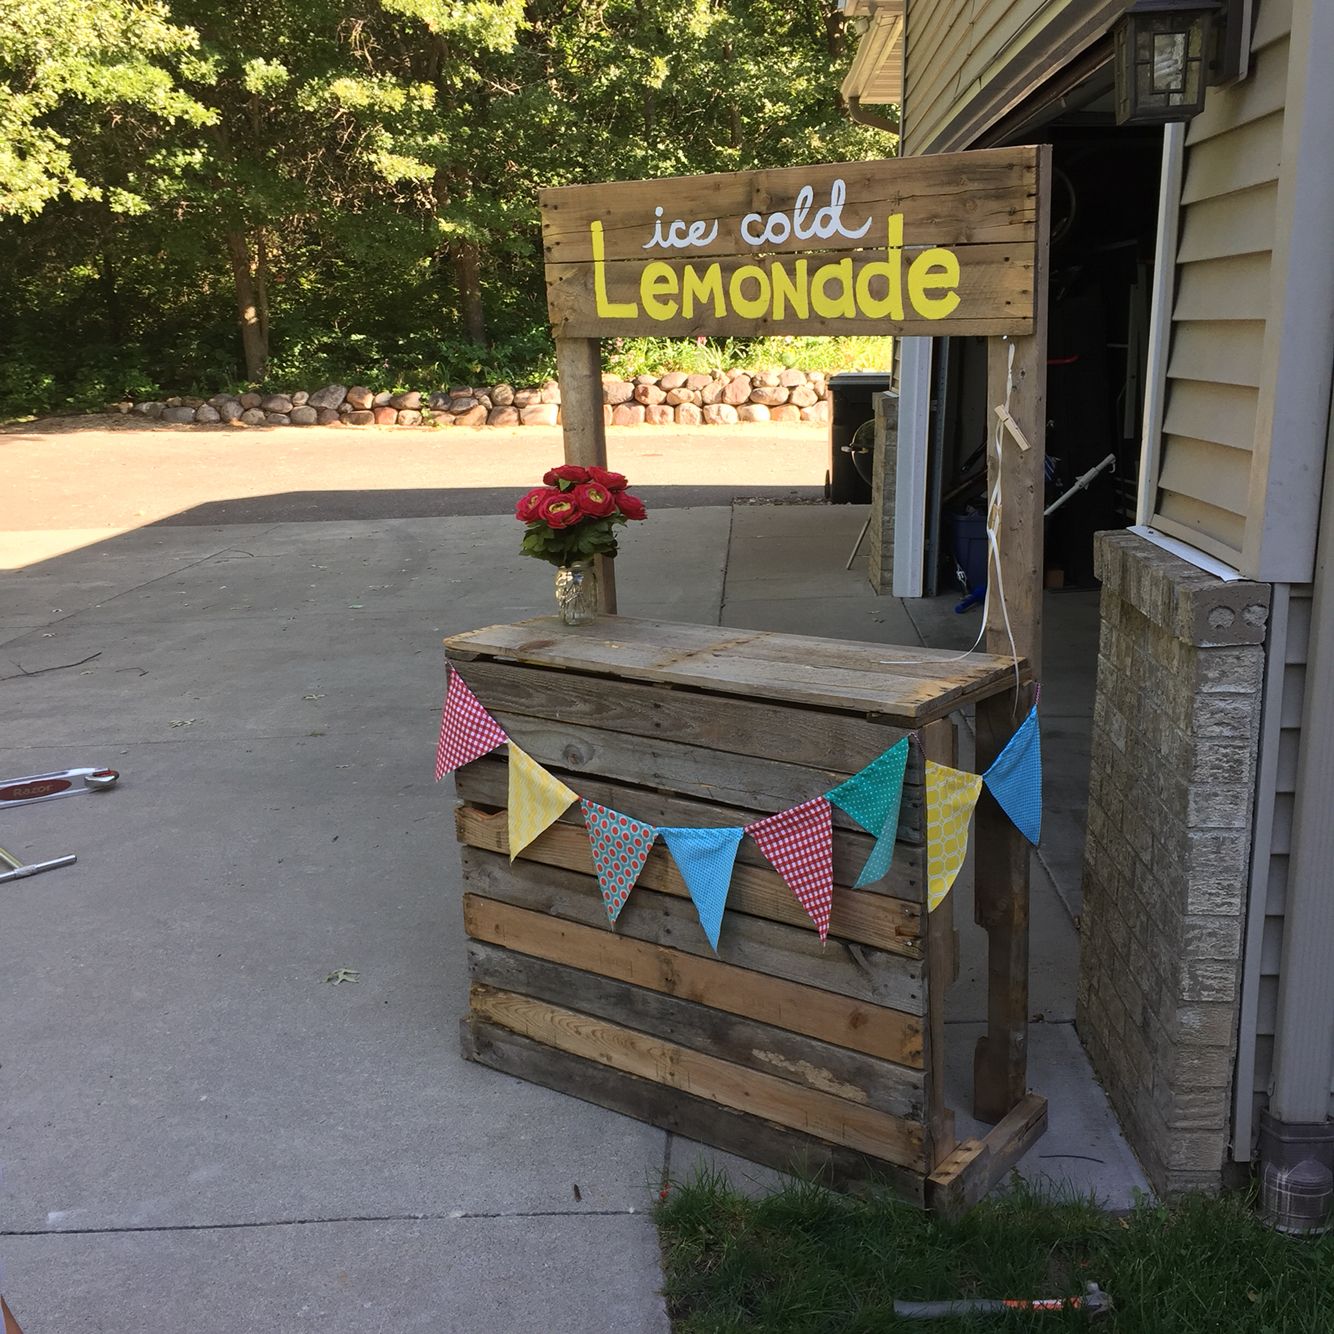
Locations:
(667, 399)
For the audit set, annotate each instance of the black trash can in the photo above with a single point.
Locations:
(851, 405)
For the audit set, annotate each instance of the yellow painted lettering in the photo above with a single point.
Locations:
(934, 270)
(749, 308)
(841, 307)
(794, 290)
(703, 288)
(614, 310)
(658, 281)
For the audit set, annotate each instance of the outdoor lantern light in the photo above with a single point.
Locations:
(1162, 60)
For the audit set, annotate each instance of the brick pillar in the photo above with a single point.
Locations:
(1166, 866)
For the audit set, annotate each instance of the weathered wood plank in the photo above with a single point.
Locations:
(995, 291)
(817, 738)
(822, 1115)
(976, 1166)
(879, 920)
(857, 971)
(573, 752)
(485, 783)
(719, 660)
(964, 199)
(888, 1034)
(681, 1113)
(773, 1051)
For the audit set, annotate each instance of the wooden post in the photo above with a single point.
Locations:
(579, 370)
(940, 743)
(1000, 1063)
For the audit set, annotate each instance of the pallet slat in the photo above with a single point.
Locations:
(821, 1115)
(887, 1034)
(869, 919)
(684, 1114)
(759, 1046)
(855, 971)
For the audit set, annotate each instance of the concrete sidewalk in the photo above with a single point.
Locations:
(201, 1133)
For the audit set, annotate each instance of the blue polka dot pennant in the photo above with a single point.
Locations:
(1015, 778)
(705, 858)
(620, 848)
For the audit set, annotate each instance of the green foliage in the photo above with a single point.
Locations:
(806, 1260)
(361, 177)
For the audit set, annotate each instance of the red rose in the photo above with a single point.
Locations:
(557, 510)
(631, 506)
(525, 508)
(595, 501)
(613, 481)
(567, 472)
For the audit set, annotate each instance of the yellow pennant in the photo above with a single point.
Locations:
(951, 795)
(537, 799)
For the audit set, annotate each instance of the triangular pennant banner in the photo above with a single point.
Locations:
(467, 731)
(1015, 778)
(872, 798)
(705, 858)
(951, 795)
(537, 799)
(620, 848)
(800, 844)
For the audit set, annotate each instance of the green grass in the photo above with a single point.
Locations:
(807, 1261)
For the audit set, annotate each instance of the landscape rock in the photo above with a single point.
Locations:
(178, 414)
(461, 391)
(803, 396)
(550, 392)
(659, 414)
(767, 378)
(381, 400)
(277, 419)
(299, 399)
(502, 395)
(474, 416)
(646, 379)
(327, 417)
(539, 414)
(409, 417)
(439, 399)
(687, 414)
(208, 414)
(152, 409)
(230, 410)
(712, 392)
(485, 401)
(648, 393)
(360, 417)
(698, 381)
(768, 394)
(617, 391)
(627, 414)
(328, 397)
(506, 416)
(791, 379)
(384, 414)
(304, 415)
(752, 412)
(175, 402)
(785, 412)
(276, 403)
(461, 404)
(251, 400)
(672, 380)
(675, 397)
(360, 397)
(442, 417)
(737, 390)
(409, 401)
(525, 398)
(719, 414)
(818, 413)
(253, 417)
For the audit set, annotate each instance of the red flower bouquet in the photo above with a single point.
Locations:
(575, 513)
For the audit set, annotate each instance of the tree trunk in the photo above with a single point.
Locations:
(468, 275)
(254, 343)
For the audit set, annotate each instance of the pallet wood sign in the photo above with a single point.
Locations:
(930, 245)
(822, 1058)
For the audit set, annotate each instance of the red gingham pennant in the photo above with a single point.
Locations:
(467, 731)
(800, 844)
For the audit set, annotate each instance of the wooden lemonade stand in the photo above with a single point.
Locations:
(825, 1058)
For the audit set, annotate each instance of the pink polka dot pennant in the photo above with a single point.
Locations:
(620, 849)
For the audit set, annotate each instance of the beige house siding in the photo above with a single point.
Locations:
(1223, 300)
(968, 62)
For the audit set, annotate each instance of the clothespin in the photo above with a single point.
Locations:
(1012, 426)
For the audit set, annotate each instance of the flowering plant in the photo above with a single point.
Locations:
(574, 514)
